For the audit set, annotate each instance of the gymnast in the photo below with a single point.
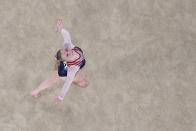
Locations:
(69, 62)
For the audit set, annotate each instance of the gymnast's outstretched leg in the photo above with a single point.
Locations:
(80, 80)
(45, 84)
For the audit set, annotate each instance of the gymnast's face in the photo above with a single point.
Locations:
(67, 54)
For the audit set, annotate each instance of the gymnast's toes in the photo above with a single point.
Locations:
(35, 94)
(83, 84)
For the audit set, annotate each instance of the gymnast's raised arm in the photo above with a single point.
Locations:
(66, 35)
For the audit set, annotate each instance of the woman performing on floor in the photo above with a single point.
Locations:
(69, 61)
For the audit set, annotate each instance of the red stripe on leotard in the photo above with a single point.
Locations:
(76, 63)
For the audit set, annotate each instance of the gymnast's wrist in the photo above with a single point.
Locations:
(60, 97)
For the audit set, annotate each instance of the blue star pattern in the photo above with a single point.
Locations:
(62, 69)
(65, 65)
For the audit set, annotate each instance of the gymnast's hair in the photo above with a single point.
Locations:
(58, 59)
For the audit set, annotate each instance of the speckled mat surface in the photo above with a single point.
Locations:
(141, 65)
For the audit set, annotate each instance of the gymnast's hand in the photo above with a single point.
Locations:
(59, 25)
(57, 100)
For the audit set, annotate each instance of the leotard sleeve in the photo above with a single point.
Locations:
(67, 39)
(72, 70)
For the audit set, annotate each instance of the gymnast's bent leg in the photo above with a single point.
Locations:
(80, 79)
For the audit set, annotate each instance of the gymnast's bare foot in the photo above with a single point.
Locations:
(35, 94)
(82, 84)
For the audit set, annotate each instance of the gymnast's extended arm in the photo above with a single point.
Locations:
(72, 70)
(67, 39)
